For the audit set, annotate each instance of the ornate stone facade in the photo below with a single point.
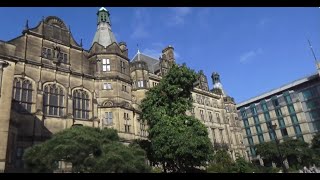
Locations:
(49, 82)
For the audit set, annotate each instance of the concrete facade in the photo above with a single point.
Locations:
(294, 109)
(48, 83)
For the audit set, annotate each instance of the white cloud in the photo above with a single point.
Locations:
(139, 24)
(178, 15)
(249, 56)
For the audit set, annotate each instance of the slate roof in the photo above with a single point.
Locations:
(152, 63)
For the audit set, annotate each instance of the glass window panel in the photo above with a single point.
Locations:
(104, 67)
(24, 95)
(87, 105)
(83, 114)
(55, 110)
(29, 96)
(60, 111)
(50, 110)
(108, 67)
(17, 96)
(261, 139)
(281, 122)
(104, 61)
(294, 119)
(297, 129)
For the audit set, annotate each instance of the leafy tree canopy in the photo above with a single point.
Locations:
(178, 142)
(88, 149)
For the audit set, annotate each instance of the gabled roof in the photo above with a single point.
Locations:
(152, 63)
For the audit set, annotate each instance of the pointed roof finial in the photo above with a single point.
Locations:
(42, 18)
(81, 42)
(27, 25)
(103, 9)
(69, 28)
(138, 52)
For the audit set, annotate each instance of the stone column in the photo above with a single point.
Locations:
(7, 73)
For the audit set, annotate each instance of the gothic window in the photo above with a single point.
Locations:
(81, 103)
(105, 65)
(53, 100)
(22, 95)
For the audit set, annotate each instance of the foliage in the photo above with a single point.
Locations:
(296, 151)
(88, 149)
(268, 150)
(221, 163)
(242, 166)
(315, 143)
(178, 142)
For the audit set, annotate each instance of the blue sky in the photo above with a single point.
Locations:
(253, 49)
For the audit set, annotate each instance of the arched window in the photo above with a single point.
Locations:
(53, 100)
(22, 95)
(81, 103)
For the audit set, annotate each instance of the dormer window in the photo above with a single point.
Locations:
(105, 65)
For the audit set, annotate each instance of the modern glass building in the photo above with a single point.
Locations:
(293, 109)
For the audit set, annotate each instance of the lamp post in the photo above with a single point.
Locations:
(273, 127)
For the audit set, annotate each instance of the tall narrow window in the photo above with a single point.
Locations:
(126, 122)
(218, 117)
(65, 58)
(105, 65)
(22, 95)
(49, 53)
(124, 88)
(53, 100)
(123, 67)
(201, 114)
(210, 116)
(81, 103)
(44, 52)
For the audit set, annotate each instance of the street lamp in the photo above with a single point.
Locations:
(273, 127)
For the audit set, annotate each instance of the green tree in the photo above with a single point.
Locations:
(88, 149)
(268, 151)
(178, 142)
(242, 166)
(315, 143)
(315, 146)
(221, 163)
(297, 152)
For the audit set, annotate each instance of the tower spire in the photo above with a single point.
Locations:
(138, 52)
(104, 35)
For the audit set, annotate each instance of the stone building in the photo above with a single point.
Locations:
(290, 111)
(49, 82)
